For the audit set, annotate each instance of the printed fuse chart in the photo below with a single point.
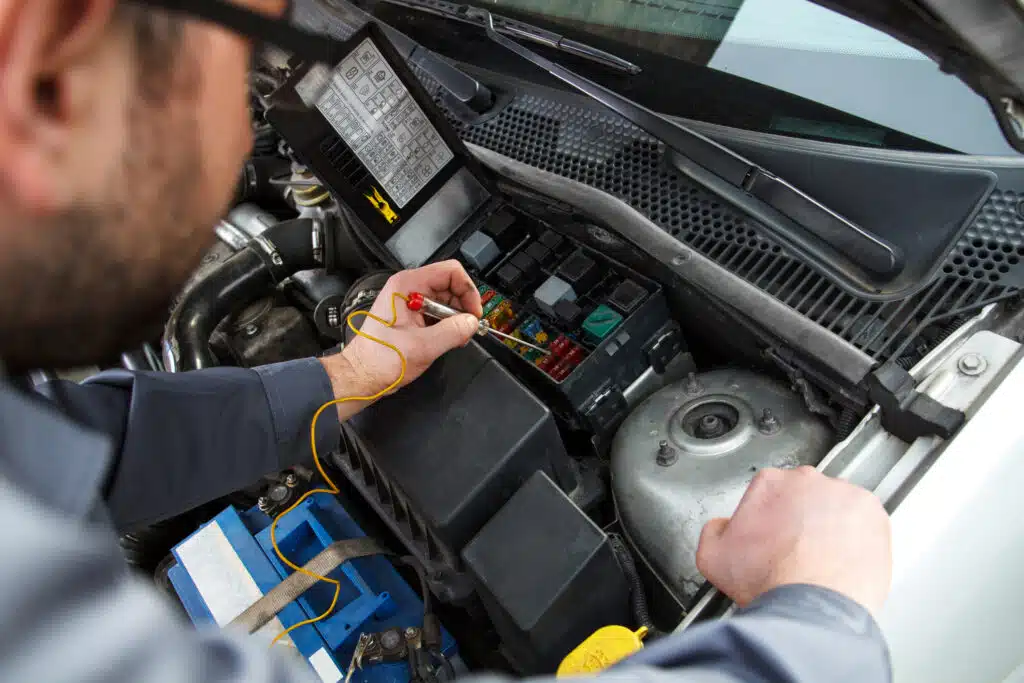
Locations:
(374, 113)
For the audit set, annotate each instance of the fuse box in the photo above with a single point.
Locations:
(603, 323)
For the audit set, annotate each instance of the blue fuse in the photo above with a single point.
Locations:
(532, 329)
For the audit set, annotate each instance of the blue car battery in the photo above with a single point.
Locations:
(229, 563)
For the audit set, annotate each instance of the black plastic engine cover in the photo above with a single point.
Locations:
(547, 575)
(458, 442)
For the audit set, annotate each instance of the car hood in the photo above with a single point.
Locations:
(980, 41)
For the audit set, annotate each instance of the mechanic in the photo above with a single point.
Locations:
(122, 130)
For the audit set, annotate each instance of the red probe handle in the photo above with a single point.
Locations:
(415, 301)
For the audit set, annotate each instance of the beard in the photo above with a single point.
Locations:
(79, 287)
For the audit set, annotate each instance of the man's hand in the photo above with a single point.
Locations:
(799, 526)
(365, 367)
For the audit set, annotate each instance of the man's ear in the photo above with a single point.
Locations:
(42, 42)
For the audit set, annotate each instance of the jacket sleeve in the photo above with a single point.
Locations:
(793, 634)
(70, 611)
(186, 439)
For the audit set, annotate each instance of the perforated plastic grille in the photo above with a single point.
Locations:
(993, 247)
(604, 151)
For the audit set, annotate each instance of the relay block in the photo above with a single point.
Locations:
(603, 323)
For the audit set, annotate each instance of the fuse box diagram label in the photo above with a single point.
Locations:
(366, 102)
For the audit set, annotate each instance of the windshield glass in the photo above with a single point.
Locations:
(781, 66)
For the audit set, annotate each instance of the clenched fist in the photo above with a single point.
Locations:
(799, 526)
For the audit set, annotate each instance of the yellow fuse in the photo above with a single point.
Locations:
(500, 315)
(604, 647)
(510, 343)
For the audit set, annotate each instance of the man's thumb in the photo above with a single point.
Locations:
(450, 333)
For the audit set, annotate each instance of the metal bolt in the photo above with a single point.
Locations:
(278, 494)
(410, 632)
(263, 504)
(972, 364)
(710, 427)
(333, 316)
(666, 454)
(390, 639)
(317, 241)
(768, 424)
(693, 385)
(251, 330)
(710, 422)
(291, 481)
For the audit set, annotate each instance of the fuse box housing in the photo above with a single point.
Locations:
(616, 321)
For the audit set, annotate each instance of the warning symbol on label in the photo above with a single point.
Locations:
(382, 206)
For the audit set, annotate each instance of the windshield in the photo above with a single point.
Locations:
(781, 66)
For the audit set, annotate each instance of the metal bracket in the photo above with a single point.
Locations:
(907, 413)
(667, 344)
(606, 410)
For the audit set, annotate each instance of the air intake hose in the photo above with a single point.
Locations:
(278, 253)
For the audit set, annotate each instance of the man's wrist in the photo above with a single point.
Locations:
(348, 379)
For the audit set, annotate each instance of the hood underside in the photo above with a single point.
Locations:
(979, 41)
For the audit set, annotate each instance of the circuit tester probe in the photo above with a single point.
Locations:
(421, 304)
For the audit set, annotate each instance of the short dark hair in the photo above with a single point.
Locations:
(157, 38)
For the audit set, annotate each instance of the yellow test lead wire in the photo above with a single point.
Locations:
(333, 489)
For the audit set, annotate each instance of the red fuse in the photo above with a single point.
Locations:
(488, 295)
(545, 363)
(574, 356)
(560, 345)
(561, 370)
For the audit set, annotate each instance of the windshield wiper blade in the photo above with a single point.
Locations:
(789, 212)
(521, 30)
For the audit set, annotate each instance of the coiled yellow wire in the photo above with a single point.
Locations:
(333, 489)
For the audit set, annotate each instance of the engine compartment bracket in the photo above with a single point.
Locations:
(907, 413)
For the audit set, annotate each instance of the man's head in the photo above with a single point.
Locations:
(122, 131)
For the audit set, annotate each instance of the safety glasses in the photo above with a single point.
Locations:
(263, 30)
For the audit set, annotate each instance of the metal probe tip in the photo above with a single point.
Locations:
(517, 340)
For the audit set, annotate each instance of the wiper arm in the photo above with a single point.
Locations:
(521, 30)
(788, 211)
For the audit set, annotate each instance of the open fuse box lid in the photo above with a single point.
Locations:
(370, 132)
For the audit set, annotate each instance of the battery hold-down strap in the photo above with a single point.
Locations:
(288, 591)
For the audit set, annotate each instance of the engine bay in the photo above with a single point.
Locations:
(517, 500)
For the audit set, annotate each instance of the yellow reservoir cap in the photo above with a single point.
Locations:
(601, 649)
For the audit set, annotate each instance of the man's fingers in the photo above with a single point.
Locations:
(446, 281)
(448, 334)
